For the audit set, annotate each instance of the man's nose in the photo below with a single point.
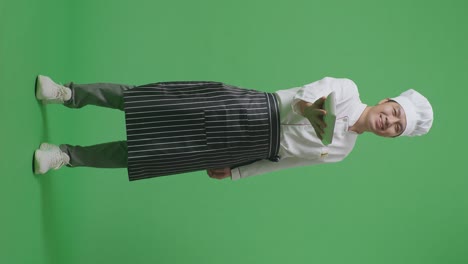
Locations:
(392, 120)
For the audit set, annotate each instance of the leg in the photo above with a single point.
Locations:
(106, 155)
(100, 94)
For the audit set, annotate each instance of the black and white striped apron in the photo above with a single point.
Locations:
(184, 126)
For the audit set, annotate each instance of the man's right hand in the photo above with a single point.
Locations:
(315, 113)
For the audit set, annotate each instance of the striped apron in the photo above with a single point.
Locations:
(185, 126)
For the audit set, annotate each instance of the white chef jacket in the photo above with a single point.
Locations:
(299, 144)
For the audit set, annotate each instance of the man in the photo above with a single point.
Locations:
(409, 114)
(256, 132)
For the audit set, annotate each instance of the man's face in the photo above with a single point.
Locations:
(387, 119)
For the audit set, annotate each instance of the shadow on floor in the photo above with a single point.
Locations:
(48, 217)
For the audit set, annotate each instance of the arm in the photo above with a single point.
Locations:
(311, 92)
(265, 166)
(309, 99)
(259, 167)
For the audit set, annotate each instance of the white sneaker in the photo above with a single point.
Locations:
(50, 92)
(49, 156)
(47, 146)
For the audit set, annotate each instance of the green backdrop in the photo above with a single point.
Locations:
(391, 201)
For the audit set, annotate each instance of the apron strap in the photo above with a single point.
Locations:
(274, 127)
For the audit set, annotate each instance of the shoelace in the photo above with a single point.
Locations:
(61, 92)
(58, 160)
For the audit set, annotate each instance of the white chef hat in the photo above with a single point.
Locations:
(418, 112)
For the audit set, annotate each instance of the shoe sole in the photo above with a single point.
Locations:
(36, 90)
(35, 163)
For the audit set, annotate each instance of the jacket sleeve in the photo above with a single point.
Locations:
(264, 166)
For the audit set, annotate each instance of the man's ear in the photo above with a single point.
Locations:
(384, 100)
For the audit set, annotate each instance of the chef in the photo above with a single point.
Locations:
(177, 127)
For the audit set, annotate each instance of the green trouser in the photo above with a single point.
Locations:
(106, 155)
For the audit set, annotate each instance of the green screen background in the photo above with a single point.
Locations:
(391, 201)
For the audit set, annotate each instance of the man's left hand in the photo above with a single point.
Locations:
(219, 173)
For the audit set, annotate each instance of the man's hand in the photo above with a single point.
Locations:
(315, 113)
(219, 173)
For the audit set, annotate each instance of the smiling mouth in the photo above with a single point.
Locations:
(380, 122)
